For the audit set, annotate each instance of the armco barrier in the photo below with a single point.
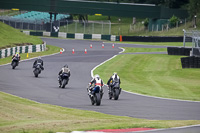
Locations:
(87, 36)
(70, 35)
(152, 39)
(79, 36)
(54, 34)
(106, 37)
(62, 34)
(22, 49)
(74, 36)
(36, 33)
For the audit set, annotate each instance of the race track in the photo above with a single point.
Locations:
(44, 89)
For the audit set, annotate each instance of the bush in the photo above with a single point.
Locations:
(173, 20)
(146, 23)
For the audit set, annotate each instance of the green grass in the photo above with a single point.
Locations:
(22, 115)
(11, 37)
(133, 50)
(154, 75)
(50, 50)
(153, 43)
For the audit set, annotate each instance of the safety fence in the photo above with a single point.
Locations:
(191, 48)
(22, 49)
(63, 25)
(192, 39)
(74, 36)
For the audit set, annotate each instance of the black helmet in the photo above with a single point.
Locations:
(66, 66)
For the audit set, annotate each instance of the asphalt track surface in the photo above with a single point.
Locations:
(44, 89)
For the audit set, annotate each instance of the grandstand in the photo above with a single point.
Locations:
(39, 17)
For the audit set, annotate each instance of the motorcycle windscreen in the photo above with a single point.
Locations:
(116, 84)
(65, 75)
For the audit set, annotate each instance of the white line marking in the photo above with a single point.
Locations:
(160, 97)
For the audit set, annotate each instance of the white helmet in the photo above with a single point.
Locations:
(96, 76)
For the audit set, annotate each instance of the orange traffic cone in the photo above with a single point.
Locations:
(113, 45)
(90, 45)
(73, 51)
(61, 51)
(85, 51)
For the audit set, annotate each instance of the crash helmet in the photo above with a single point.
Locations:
(96, 76)
(39, 57)
(66, 65)
(17, 54)
(115, 73)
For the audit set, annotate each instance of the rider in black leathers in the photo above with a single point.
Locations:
(66, 70)
(17, 55)
(38, 61)
(113, 78)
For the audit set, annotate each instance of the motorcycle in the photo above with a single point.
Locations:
(15, 62)
(114, 91)
(96, 95)
(64, 80)
(37, 70)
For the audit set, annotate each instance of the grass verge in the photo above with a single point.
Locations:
(155, 75)
(152, 43)
(11, 37)
(22, 115)
(134, 50)
(50, 50)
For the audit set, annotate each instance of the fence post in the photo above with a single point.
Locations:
(109, 28)
(167, 27)
(67, 26)
(35, 25)
(22, 26)
(157, 27)
(75, 26)
(184, 38)
(93, 28)
(84, 27)
(102, 28)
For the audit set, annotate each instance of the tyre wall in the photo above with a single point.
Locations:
(22, 49)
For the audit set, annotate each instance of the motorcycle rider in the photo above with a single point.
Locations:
(66, 70)
(113, 78)
(95, 82)
(17, 56)
(38, 61)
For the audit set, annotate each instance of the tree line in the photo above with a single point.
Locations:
(193, 6)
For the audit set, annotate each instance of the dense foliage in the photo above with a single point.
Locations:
(166, 3)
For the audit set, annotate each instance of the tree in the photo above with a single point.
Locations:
(173, 21)
(194, 7)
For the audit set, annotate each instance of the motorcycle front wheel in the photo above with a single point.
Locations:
(97, 99)
(64, 82)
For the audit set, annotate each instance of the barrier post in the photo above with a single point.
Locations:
(120, 38)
